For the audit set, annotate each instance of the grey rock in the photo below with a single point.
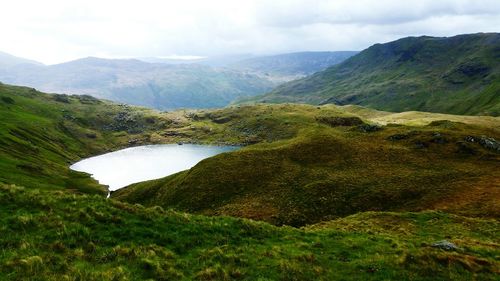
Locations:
(489, 143)
(438, 138)
(484, 141)
(368, 128)
(445, 245)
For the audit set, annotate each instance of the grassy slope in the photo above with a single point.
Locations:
(40, 135)
(49, 235)
(458, 75)
(419, 118)
(309, 171)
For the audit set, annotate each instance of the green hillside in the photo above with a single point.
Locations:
(458, 75)
(41, 134)
(322, 163)
(302, 164)
(49, 235)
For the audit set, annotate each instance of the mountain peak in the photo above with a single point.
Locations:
(8, 60)
(458, 74)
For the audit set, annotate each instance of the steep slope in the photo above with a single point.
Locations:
(41, 134)
(458, 75)
(285, 67)
(322, 163)
(160, 86)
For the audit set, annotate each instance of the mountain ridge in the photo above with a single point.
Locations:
(458, 75)
(289, 66)
(8, 60)
(154, 84)
(135, 82)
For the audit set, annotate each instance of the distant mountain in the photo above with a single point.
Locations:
(7, 60)
(161, 86)
(459, 75)
(215, 61)
(278, 68)
(292, 65)
(167, 83)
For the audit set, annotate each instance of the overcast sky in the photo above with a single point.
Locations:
(53, 31)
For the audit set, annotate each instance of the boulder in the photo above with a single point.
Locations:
(486, 142)
(445, 245)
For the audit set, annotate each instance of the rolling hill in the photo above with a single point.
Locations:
(308, 164)
(315, 164)
(458, 75)
(40, 134)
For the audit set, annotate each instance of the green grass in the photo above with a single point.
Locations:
(40, 135)
(299, 170)
(53, 235)
(313, 172)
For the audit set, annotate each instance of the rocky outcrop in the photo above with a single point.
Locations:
(486, 142)
(445, 245)
(335, 121)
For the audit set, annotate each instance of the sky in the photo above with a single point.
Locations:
(54, 31)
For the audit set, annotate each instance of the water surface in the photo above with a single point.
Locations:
(123, 167)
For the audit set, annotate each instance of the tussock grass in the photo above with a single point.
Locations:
(85, 237)
(326, 171)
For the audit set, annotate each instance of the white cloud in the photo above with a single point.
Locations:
(58, 30)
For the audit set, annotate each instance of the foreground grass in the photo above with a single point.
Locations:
(53, 235)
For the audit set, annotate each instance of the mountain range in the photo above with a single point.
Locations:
(7, 60)
(459, 75)
(163, 84)
(286, 67)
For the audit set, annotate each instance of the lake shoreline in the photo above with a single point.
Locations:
(120, 168)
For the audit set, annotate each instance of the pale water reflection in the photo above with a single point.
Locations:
(123, 167)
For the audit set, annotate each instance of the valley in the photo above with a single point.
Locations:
(167, 85)
(316, 193)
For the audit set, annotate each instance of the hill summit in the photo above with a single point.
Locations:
(459, 75)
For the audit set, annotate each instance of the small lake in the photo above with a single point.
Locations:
(123, 167)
